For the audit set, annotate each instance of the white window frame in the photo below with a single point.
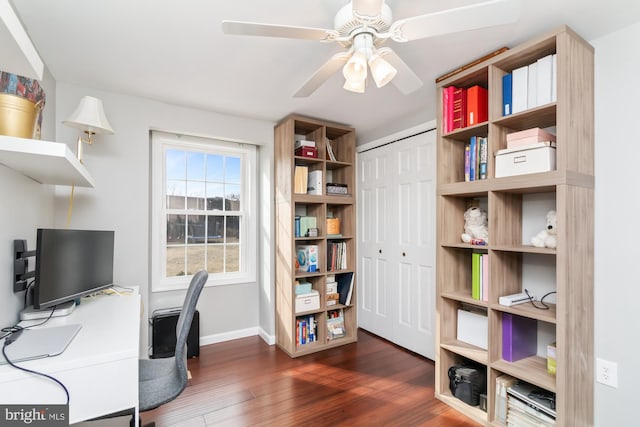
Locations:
(160, 143)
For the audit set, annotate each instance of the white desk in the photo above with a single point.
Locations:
(99, 367)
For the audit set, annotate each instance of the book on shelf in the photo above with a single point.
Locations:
(476, 155)
(475, 275)
(506, 94)
(519, 337)
(480, 276)
(330, 152)
(314, 184)
(477, 105)
(544, 80)
(473, 157)
(345, 287)
(459, 108)
(532, 85)
(467, 164)
(300, 176)
(483, 155)
(336, 256)
(447, 108)
(484, 279)
(519, 89)
(335, 324)
(306, 329)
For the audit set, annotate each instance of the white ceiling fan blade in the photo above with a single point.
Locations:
(270, 30)
(367, 7)
(336, 62)
(406, 80)
(480, 15)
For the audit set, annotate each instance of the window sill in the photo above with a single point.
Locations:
(182, 284)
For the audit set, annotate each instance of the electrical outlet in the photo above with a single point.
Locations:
(607, 372)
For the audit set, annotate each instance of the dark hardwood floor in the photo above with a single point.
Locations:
(246, 382)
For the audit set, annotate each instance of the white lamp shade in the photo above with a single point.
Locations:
(355, 70)
(381, 70)
(89, 116)
(354, 86)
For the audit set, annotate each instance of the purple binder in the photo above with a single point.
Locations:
(519, 337)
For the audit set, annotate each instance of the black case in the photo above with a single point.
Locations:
(164, 324)
(468, 382)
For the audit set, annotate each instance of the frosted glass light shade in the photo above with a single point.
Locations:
(89, 117)
(355, 69)
(354, 86)
(381, 70)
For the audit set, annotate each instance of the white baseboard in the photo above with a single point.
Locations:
(240, 333)
(269, 339)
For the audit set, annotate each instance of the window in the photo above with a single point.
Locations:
(203, 210)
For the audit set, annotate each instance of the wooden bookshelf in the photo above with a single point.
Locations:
(570, 188)
(289, 204)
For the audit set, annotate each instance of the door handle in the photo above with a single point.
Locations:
(379, 251)
(404, 254)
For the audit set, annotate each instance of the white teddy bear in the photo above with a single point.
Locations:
(476, 230)
(547, 237)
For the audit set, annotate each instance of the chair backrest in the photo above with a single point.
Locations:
(186, 317)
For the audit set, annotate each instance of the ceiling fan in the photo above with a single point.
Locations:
(363, 26)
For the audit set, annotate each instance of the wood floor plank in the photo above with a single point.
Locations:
(246, 382)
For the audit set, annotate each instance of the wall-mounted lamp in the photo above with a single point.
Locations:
(89, 117)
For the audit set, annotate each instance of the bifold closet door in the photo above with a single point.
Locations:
(396, 242)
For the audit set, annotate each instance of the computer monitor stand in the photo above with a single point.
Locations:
(63, 309)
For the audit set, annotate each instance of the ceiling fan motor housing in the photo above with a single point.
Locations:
(348, 24)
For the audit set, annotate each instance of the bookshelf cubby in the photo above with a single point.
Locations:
(515, 207)
(290, 204)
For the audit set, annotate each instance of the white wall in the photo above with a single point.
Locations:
(617, 61)
(26, 206)
(119, 163)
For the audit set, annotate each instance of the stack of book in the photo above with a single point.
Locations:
(306, 330)
(475, 158)
(480, 276)
(336, 256)
(528, 405)
(462, 107)
(530, 86)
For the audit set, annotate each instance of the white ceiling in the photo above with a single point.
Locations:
(174, 51)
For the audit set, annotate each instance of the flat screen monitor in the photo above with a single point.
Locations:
(71, 264)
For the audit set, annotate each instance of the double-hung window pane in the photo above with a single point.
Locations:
(204, 212)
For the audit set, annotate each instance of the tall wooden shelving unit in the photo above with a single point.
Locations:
(289, 204)
(570, 186)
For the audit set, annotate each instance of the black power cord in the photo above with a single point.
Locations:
(543, 305)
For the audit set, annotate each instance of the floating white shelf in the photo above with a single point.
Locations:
(19, 56)
(43, 161)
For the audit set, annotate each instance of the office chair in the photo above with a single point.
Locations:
(162, 380)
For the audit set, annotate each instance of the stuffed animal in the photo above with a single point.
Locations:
(476, 230)
(547, 237)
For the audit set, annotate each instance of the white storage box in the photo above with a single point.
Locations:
(535, 158)
(306, 302)
(473, 328)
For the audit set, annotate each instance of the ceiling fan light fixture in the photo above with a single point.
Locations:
(355, 69)
(381, 71)
(356, 86)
